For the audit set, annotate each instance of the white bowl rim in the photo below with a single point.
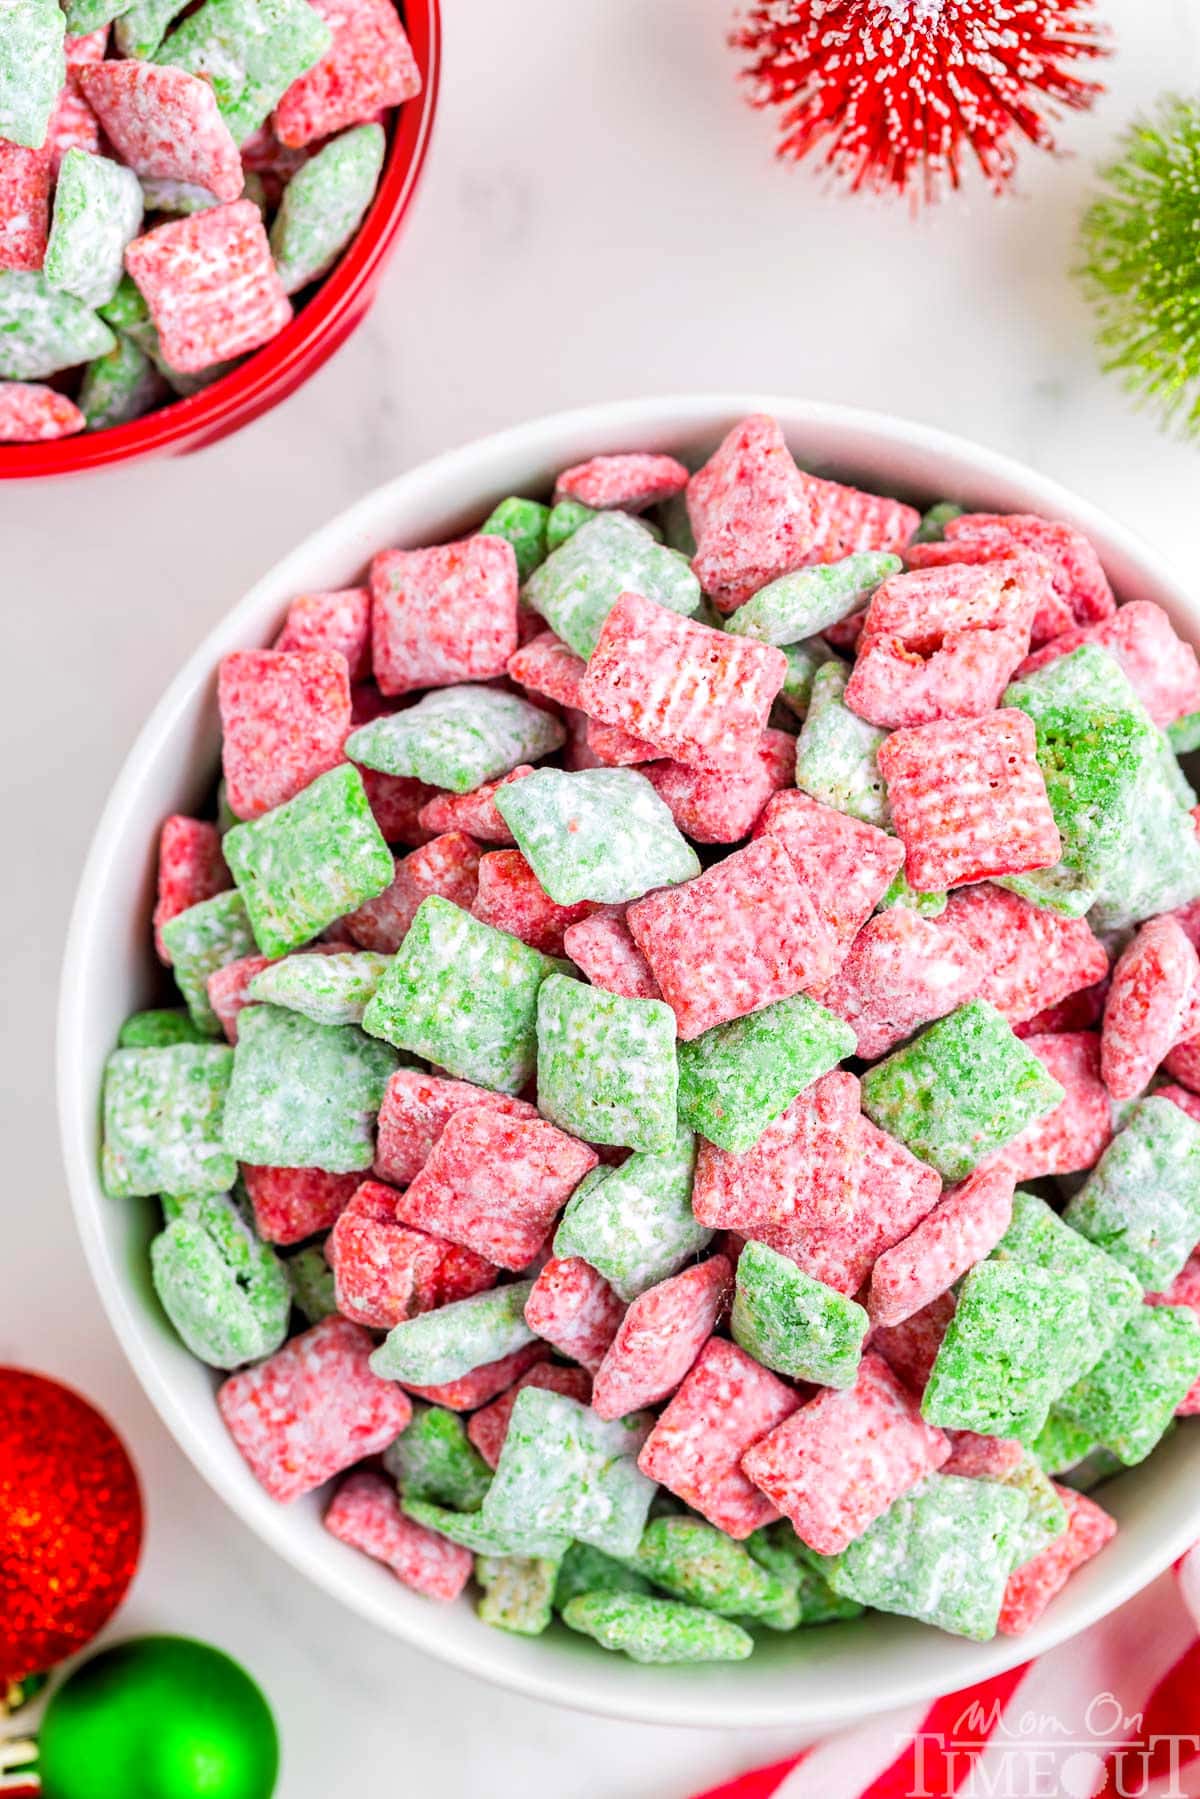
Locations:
(495, 1660)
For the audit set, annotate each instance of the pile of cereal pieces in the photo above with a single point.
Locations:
(695, 1007)
(169, 180)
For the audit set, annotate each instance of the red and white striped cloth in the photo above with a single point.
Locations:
(1113, 1712)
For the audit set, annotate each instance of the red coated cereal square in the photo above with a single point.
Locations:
(337, 620)
(164, 122)
(73, 124)
(632, 482)
(604, 948)
(726, 1405)
(1035, 1583)
(616, 748)
(724, 808)
(977, 1457)
(845, 866)
(890, 1192)
(660, 1337)
(191, 868)
(211, 285)
(801, 1173)
(902, 971)
(416, 1110)
(312, 1409)
(291, 1204)
(965, 1225)
(472, 1390)
(229, 991)
(495, 1184)
(449, 866)
(754, 515)
(384, 1271)
(574, 1310)
(968, 800)
(700, 696)
(912, 1348)
(365, 1512)
(943, 643)
(284, 719)
(444, 614)
(1181, 1097)
(511, 898)
(396, 803)
(25, 179)
(1077, 1132)
(734, 939)
(1149, 1006)
(475, 813)
(489, 1427)
(31, 413)
(846, 520)
(1079, 1011)
(549, 667)
(1160, 667)
(368, 66)
(838, 1463)
(1034, 957)
(1079, 593)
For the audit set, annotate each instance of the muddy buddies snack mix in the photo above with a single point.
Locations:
(737, 1162)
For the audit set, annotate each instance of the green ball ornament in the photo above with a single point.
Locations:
(158, 1718)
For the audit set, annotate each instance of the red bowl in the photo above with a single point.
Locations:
(340, 303)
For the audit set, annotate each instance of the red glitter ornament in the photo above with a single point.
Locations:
(904, 92)
(70, 1523)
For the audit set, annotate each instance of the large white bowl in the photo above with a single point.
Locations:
(811, 1681)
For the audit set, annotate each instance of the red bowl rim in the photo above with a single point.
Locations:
(303, 346)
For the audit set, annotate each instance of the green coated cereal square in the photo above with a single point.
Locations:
(304, 1095)
(778, 1548)
(433, 1458)
(1038, 1236)
(790, 1322)
(692, 1560)
(97, 212)
(803, 661)
(323, 205)
(808, 601)
(1141, 1202)
(120, 386)
(1046, 1519)
(465, 996)
(251, 51)
(577, 586)
(33, 68)
(518, 1592)
(473, 1531)
(1095, 745)
(43, 331)
(140, 28)
(309, 861)
(942, 1554)
(226, 1293)
(443, 1345)
(657, 1630)
(158, 1028)
(1061, 1444)
(458, 738)
(202, 939)
(1129, 1399)
(163, 1113)
(634, 1224)
(1000, 1364)
(328, 989)
(960, 1089)
(925, 905)
(597, 834)
(737, 1077)
(311, 1280)
(606, 1065)
(932, 528)
(587, 1570)
(524, 524)
(837, 752)
(564, 1469)
(565, 518)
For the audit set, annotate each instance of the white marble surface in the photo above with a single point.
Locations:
(600, 217)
